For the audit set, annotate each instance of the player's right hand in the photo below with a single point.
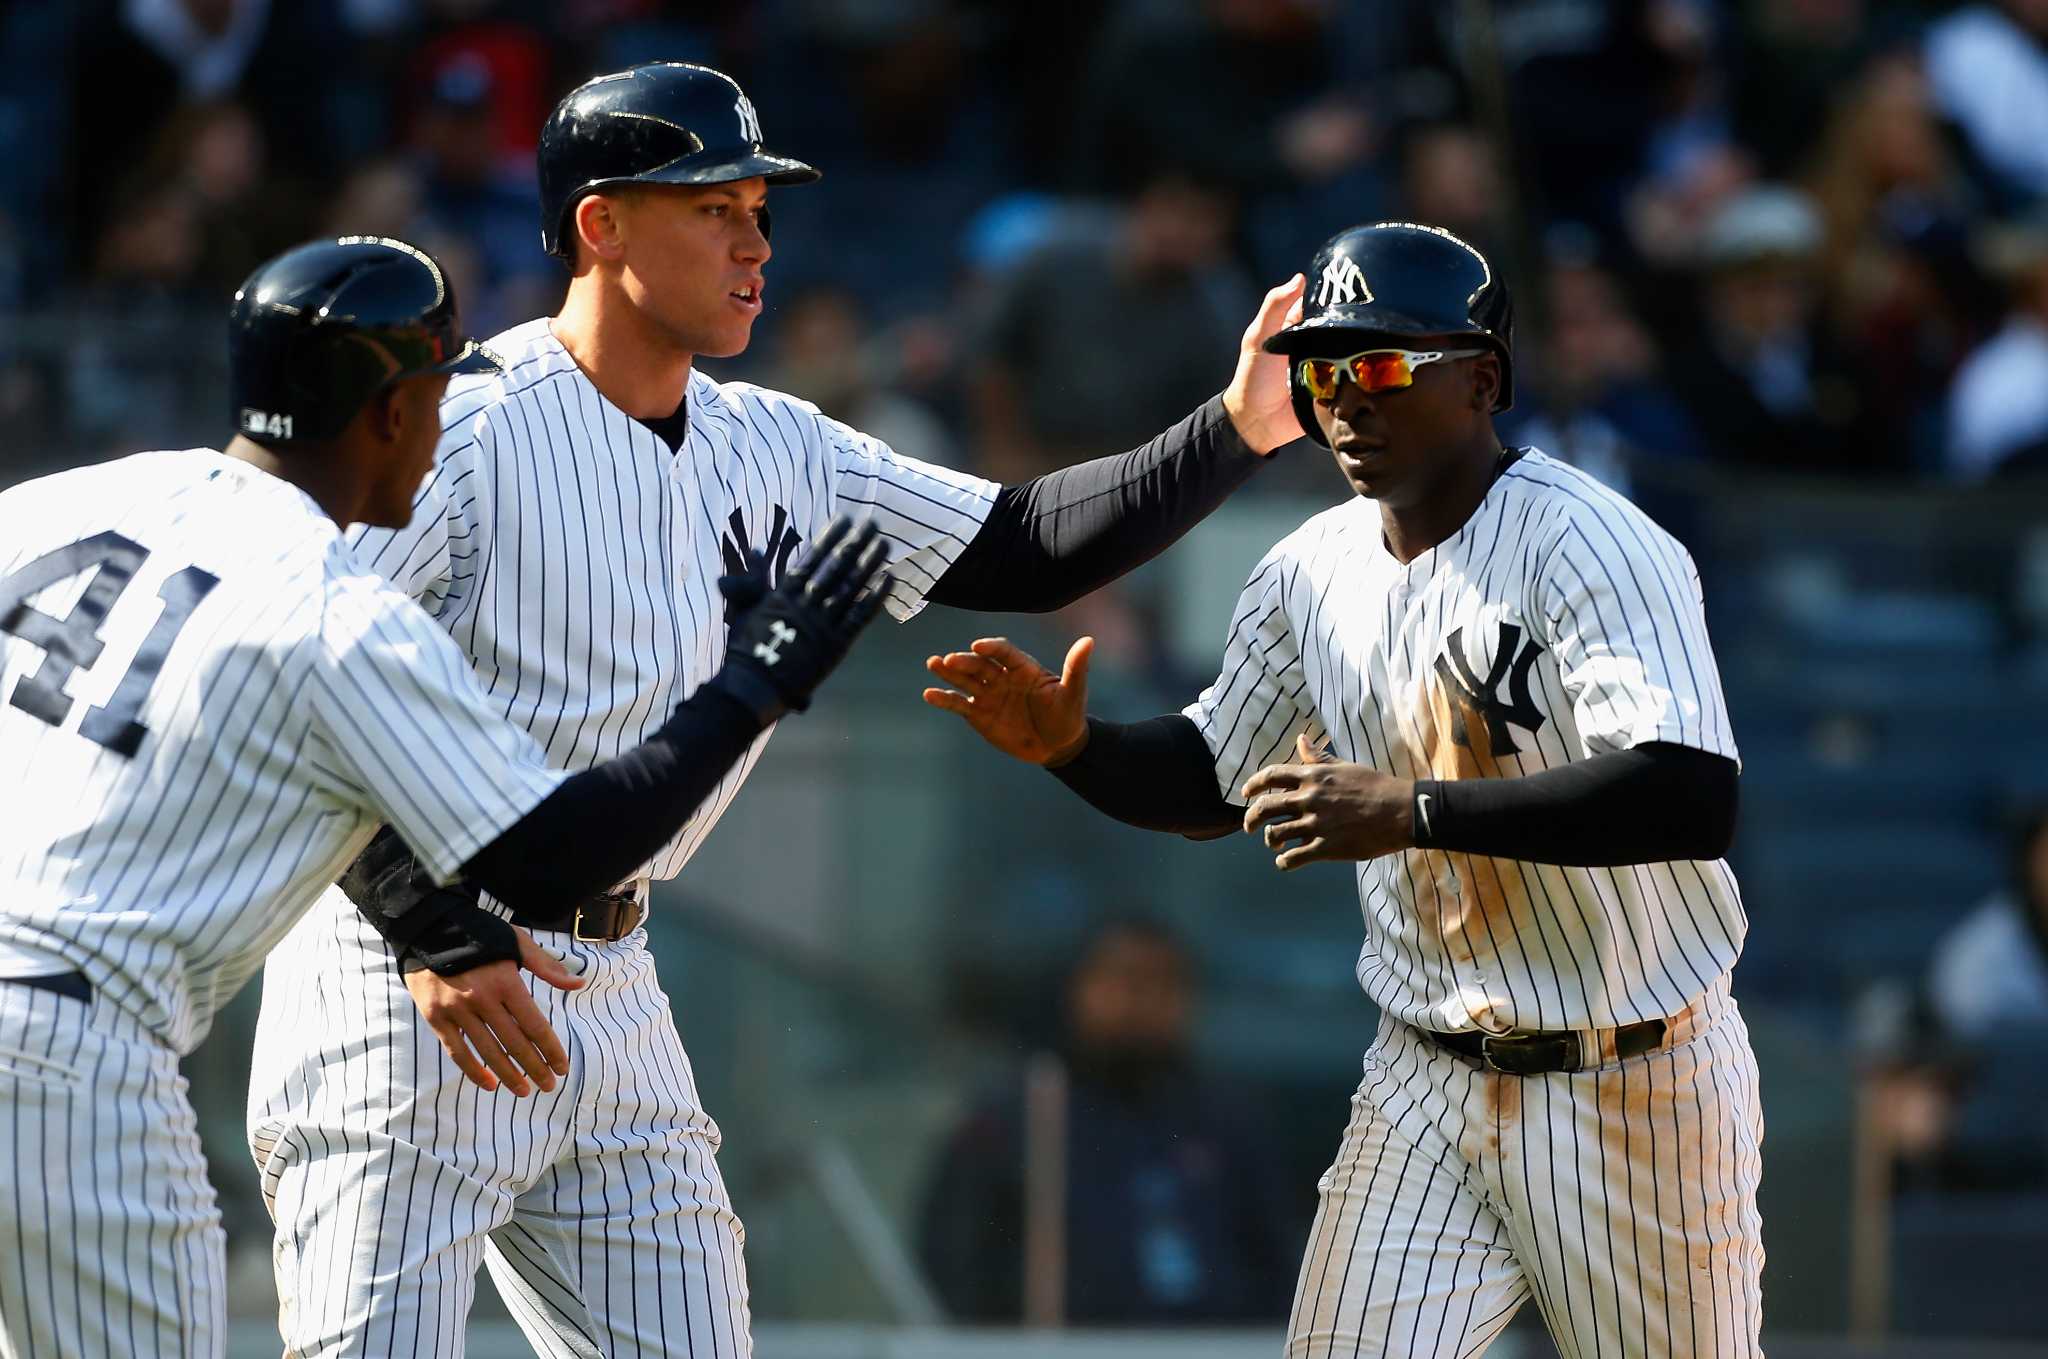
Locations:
(786, 639)
(488, 1022)
(1018, 706)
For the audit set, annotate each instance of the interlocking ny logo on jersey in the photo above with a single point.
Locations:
(1342, 282)
(1470, 695)
(736, 549)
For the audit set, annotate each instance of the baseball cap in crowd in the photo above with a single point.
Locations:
(1767, 221)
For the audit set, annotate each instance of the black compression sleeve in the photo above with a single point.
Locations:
(1056, 537)
(1157, 774)
(1652, 804)
(604, 822)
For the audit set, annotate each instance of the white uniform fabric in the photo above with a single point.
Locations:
(575, 558)
(1558, 624)
(247, 706)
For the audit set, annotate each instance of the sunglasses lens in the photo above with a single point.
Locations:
(1319, 376)
(1374, 371)
(1381, 372)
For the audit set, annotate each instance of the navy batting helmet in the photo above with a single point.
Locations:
(666, 122)
(317, 331)
(1402, 281)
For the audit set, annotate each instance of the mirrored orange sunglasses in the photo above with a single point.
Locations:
(1374, 370)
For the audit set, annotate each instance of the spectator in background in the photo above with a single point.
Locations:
(1988, 65)
(218, 153)
(1764, 381)
(1962, 1104)
(473, 192)
(141, 60)
(1990, 972)
(1247, 94)
(1792, 59)
(1450, 176)
(1998, 408)
(1590, 391)
(1174, 1215)
(894, 102)
(1590, 84)
(131, 374)
(1896, 278)
(824, 355)
(1092, 342)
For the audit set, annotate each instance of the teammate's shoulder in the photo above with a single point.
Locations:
(531, 356)
(355, 600)
(749, 400)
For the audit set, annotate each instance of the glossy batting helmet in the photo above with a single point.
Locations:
(1400, 281)
(317, 331)
(666, 122)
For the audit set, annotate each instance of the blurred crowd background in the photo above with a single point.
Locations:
(1782, 274)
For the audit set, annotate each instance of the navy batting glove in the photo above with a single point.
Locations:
(786, 643)
(746, 588)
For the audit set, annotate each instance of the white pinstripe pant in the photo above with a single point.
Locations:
(598, 1208)
(1623, 1198)
(110, 1239)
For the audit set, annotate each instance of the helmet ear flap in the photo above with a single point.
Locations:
(1304, 404)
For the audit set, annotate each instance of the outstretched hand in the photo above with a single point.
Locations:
(1257, 398)
(1319, 809)
(1016, 704)
(487, 1020)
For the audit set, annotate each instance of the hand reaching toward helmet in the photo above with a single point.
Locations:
(1257, 397)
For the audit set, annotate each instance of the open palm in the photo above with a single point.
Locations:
(1016, 704)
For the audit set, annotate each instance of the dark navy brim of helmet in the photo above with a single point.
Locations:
(1322, 332)
(473, 358)
(763, 164)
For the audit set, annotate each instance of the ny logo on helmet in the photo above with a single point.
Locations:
(750, 122)
(1342, 282)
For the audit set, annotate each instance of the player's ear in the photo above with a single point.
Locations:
(384, 414)
(600, 226)
(1485, 381)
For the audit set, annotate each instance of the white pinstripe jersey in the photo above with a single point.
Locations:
(576, 558)
(1559, 623)
(245, 706)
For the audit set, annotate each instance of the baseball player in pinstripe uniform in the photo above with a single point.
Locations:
(207, 705)
(1529, 760)
(581, 510)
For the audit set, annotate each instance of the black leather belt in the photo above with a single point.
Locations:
(69, 984)
(594, 920)
(1542, 1053)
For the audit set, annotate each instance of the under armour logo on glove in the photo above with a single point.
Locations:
(779, 633)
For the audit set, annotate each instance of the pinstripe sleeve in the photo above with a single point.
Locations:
(1620, 600)
(433, 558)
(1259, 702)
(927, 513)
(409, 732)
